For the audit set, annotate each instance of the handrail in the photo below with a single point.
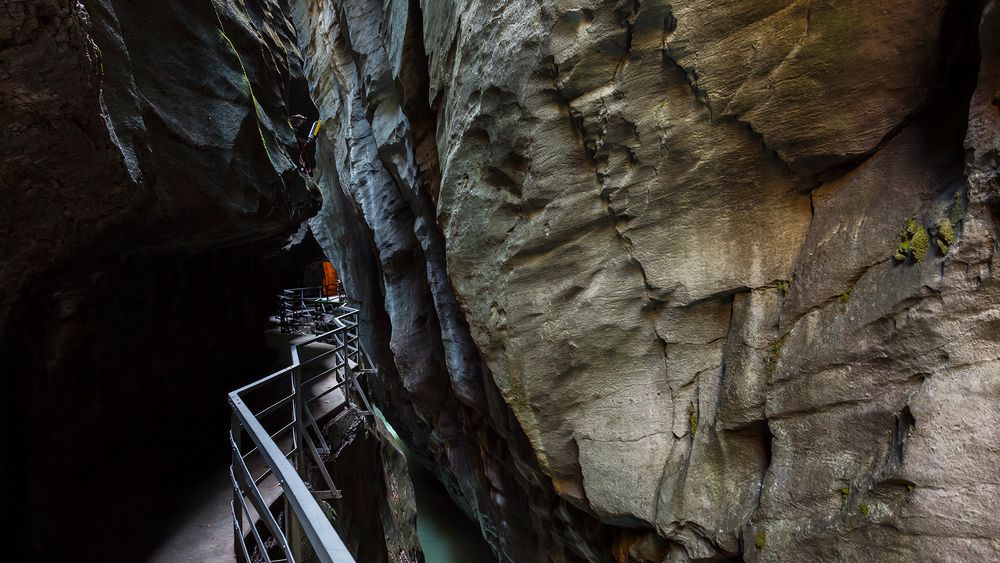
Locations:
(323, 537)
(302, 513)
(264, 380)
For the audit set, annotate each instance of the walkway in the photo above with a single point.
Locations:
(203, 530)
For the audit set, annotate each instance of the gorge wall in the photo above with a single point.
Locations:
(679, 281)
(646, 281)
(145, 180)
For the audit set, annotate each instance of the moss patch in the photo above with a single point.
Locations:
(783, 286)
(863, 509)
(845, 492)
(921, 241)
(914, 240)
(845, 296)
(692, 418)
(945, 235)
(760, 540)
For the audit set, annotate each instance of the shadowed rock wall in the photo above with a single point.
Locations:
(378, 226)
(145, 174)
(674, 281)
(377, 515)
(119, 135)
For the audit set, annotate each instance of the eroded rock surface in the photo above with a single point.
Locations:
(144, 172)
(727, 269)
(119, 135)
(377, 514)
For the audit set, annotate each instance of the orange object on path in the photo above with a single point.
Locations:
(329, 279)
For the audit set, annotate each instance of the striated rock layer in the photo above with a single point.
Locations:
(677, 281)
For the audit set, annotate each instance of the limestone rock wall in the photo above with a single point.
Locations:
(378, 169)
(677, 281)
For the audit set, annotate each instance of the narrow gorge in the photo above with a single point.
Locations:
(644, 281)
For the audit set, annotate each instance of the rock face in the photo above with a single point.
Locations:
(380, 523)
(677, 281)
(648, 281)
(174, 135)
(144, 171)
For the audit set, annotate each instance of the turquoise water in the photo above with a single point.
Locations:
(447, 535)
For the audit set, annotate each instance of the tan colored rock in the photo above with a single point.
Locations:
(823, 83)
(679, 337)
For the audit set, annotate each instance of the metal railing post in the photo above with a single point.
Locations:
(292, 525)
(353, 333)
(237, 506)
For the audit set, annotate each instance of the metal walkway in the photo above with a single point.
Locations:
(277, 443)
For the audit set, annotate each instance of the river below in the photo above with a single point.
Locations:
(447, 535)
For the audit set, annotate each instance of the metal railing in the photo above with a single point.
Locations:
(275, 508)
(303, 307)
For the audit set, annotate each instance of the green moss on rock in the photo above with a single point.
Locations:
(946, 235)
(914, 240)
(863, 509)
(692, 418)
(920, 241)
(760, 540)
(783, 286)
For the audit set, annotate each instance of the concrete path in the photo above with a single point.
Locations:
(203, 531)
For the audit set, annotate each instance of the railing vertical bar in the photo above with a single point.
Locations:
(238, 533)
(260, 505)
(300, 466)
(235, 438)
(357, 340)
(245, 510)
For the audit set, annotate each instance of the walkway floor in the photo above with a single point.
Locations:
(202, 532)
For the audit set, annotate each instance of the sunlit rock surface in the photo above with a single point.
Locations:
(676, 281)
